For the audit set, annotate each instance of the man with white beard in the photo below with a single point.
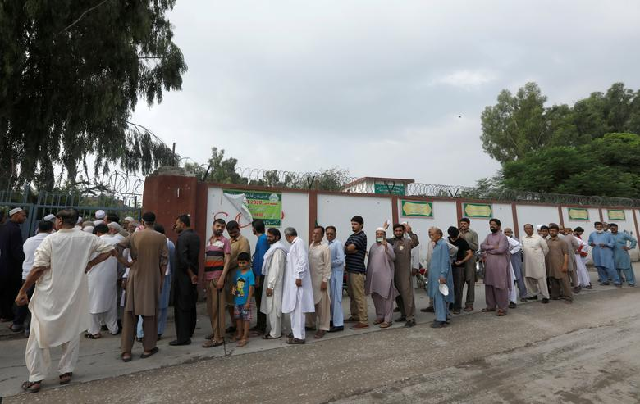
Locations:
(297, 297)
(273, 268)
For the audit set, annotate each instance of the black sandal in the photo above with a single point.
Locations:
(31, 387)
(146, 355)
(65, 378)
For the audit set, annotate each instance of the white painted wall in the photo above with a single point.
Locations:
(337, 210)
(503, 212)
(295, 207)
(536, 215)
(587, 225)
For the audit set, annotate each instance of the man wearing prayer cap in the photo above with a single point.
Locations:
(50, 218)
(100, 214)
(11, 258)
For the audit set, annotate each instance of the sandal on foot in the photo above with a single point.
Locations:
(384, 324)
(242, 343)
(501, 313)
(378, 322)
(145, 355)
(31, 387)
(268, 336)
(295, 341)
(65, 378)
(211, 344)
(126, 357)
(319, 334)
(487, 310)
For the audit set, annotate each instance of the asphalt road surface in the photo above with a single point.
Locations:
(585, 352)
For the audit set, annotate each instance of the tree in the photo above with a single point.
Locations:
(608, 166)
(521, 124)
(71, 75)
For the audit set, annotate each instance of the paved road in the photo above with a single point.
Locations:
(556, 353)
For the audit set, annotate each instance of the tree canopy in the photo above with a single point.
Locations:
(520, 124)
(71, 75)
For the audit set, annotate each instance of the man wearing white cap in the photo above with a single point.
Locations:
(11, 258)
(100, 215)
(59, 267)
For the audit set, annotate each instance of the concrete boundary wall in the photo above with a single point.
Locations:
(171, 195)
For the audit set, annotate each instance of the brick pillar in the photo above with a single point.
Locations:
(169, 193)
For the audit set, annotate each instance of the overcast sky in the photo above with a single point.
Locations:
(381, 88)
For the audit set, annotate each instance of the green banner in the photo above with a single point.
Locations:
(616, 214)
(477, 210)
(417, 209)
(262, 205)
(578, 214)
(395, 189)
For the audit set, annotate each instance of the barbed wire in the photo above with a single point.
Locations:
(341, 181)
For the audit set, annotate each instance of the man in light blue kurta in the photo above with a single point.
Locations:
(440, 272)
(602, 244)
(624, 243)
(337, 277)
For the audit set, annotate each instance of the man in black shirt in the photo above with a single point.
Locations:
(11, 258)
(464, 254)
(355, 249)
(186, 280)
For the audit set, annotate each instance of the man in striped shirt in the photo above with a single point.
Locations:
(355, 248)
(216, 262)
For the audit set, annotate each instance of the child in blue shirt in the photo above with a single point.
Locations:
(243, 289)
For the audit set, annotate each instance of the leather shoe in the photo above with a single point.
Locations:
(336, 329)
(175, 342)
(360, 326)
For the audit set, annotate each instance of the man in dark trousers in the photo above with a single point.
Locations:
(185, 293)
(11, 258)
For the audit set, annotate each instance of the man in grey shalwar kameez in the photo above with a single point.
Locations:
(379, 282)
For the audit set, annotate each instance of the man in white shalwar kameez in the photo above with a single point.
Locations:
(59, 304)
(297, 293)
(534, 249)
(103, 289)
(273, 268)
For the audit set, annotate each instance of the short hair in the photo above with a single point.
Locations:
(244, 256)
(185, 219)
(528, 224)
(358, 219)
(331, 227)
(438, 230)
(101, 228)
(69, 216)
(544, 227)
(149, 217)
(159, 228)
(275, 233)
(45, 226)
(398, 225)
(453, 232)
(554, 226)
(597, 223)
(466, 220)
(258, 225)
(496, 221)
(232, 225)
(321, 229)
(579, 229)
(220, 221)
(112, 217)
(290, 231)
(568, 229)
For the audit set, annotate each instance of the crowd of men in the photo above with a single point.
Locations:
(132, 268)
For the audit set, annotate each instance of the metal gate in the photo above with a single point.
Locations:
(39, 205)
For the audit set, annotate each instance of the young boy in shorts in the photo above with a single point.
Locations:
(243, 289)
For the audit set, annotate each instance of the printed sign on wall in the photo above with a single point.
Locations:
(262, 205)
(578, 214)
(615, 214)
(477, 210)
(417, 209)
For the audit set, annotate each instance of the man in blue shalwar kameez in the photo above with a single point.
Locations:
(602, 244)
(623, 243)
(440, 273)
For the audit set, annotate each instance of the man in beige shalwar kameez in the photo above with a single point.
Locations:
(320, 269)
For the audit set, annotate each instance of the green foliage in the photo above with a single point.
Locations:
(608, 166)
(520, 124)
(71, 73)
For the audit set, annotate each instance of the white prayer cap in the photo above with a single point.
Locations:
(50, 217)
(539, 227)
(97, 222)
(444, 289)
(88, 229)
(79, 221)
(100, 214)
(381, 229)
(129, 219)
(114, 225)
(14, 211)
